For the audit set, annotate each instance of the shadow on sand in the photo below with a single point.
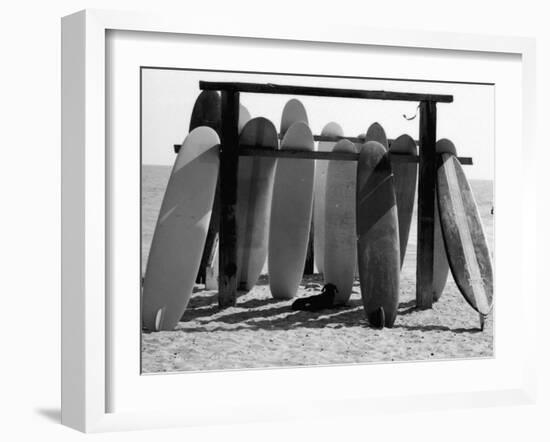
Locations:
(442, 328)
(275, 314)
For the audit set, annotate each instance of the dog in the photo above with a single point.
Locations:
(318, 302)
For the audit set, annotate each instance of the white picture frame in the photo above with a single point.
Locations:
(86, 312)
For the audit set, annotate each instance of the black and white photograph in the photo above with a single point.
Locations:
(307, 220)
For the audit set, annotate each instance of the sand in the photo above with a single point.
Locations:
(260, 332)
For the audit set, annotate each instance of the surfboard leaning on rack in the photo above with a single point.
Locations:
(378, 235)
(465, 241)
(180, 232)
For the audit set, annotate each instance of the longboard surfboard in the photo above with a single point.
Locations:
(293, 112)
(180, 232)
(404, 175)
(254, 193)
(207, 111)
(330, 129)
(376, 132)
(340, 254)
(211, 279)
(244, 117)
(441, 265)
(378, 235)
(291, 212)
(465, 241)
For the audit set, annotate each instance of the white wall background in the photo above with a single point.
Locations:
(30, 221)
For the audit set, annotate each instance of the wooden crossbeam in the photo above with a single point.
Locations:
(330, 138)
(270, 88)
(252, 151)
(319, 155)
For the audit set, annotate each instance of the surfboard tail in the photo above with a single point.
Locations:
(482, 321)
(159, 319)
(377, 318)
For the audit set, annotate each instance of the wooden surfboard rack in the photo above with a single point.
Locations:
(340, 156)
(230, 152)
(252, 151)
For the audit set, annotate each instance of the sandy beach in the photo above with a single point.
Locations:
(261, 332)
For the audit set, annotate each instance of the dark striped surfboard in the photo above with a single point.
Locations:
(378, 235)
(441, 265)
(465, 241)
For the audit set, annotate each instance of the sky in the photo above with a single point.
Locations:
(168, 97)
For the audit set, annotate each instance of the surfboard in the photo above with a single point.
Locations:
(340, 254)
(254, 192)
(207, 111)
(441, 265)
(378, 235)
(244, 117)
(465, 241)
(291, 211)
(376, 132)
(293, 112)
(211, 279)
(180, 232)
(404, 177)
(330, 129)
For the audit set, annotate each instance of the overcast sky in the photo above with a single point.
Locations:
(168, 97)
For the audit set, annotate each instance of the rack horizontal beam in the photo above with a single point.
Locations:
(332, 138)
(336, 138)
(320, 155)
(270, 88)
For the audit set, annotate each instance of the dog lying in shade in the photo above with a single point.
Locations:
(318, 302)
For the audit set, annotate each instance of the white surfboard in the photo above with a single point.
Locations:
(291, 212)
(404, 175)
(180, 232)
(254, 192)
(340, 254)
(331, 129)
(293, 112)
(211, 277)
(244, 117)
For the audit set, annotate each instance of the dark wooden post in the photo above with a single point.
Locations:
(426, 200)
(229, 161)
